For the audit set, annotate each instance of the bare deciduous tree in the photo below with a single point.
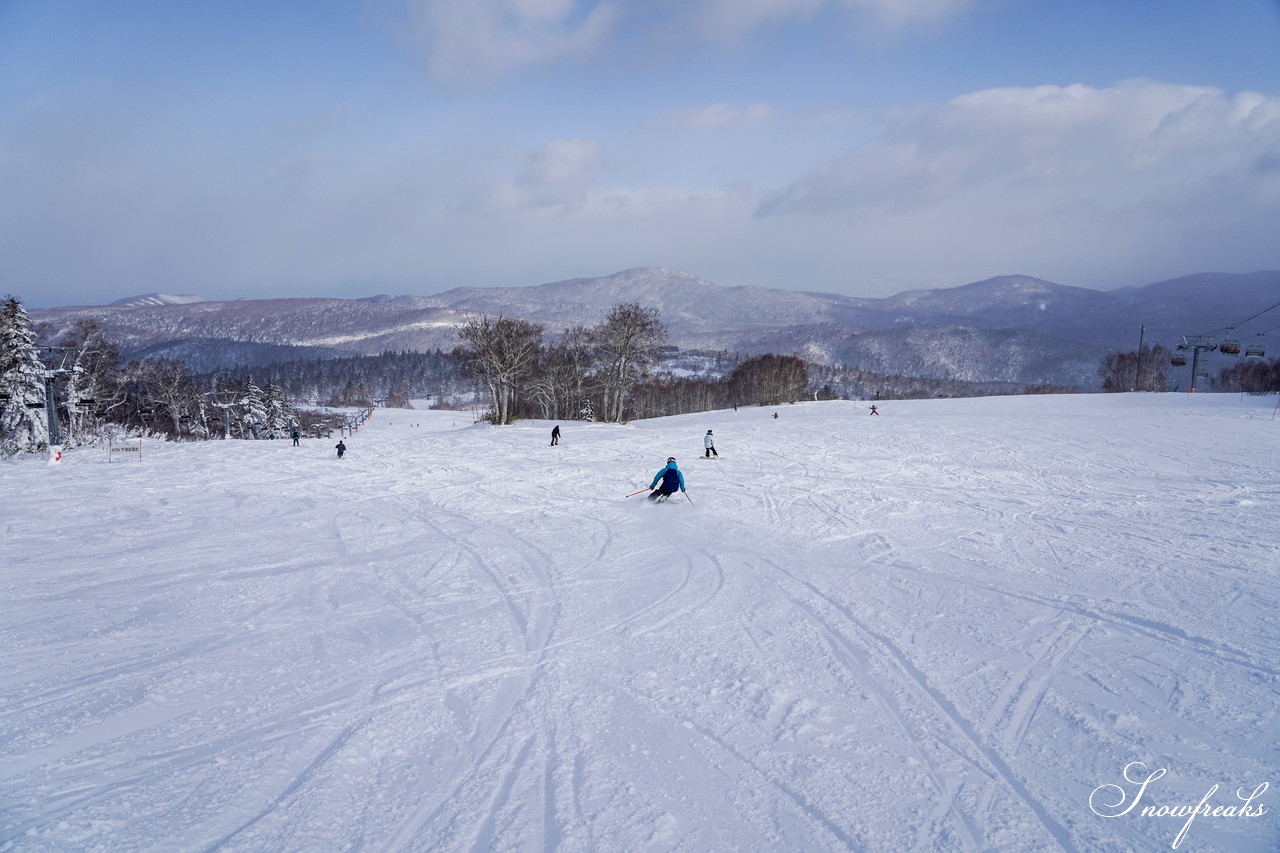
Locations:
(768, 380)
(503, 354)
(1134, 371)
(627, 344)
(169, 390)
(92, 385)
(563, 380)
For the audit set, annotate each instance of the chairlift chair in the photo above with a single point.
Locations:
(1178, 361)
(1229, 347)
(1255, 350)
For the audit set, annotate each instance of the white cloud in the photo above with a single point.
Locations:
(898, 13)
(1051, 147)
(557, 175)
(714, 116)
(1091, 182)
(733, 19)
(466, 41)
(469, 40)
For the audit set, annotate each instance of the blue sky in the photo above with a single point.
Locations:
(354, 147)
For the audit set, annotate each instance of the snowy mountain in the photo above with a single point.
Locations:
(155, 299)
(1004, 302)
(961, 625)
(1010, 328)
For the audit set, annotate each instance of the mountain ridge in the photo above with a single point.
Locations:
(1013, 328)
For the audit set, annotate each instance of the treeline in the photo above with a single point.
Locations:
(1136, 370)
(1149, 370)
(1250, 376)
(843, 382)
(392, 377)
(76, 389)
(608, 372)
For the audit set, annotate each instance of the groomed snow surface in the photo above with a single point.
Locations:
(947, 627)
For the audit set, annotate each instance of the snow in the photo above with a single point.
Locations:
(960, 625)
(156, 299)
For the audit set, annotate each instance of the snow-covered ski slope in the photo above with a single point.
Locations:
(949, 627)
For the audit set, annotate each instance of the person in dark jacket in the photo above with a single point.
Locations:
(671, 479)
(555, 435)
(341, 448)
(295, 435)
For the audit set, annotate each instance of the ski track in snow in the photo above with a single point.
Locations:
(936, 630)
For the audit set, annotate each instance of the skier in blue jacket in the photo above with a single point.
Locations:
(671, 479)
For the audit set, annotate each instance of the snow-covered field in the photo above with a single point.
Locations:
(949, 627)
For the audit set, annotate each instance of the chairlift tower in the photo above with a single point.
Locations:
(66, 358)
(1197, 344)
(225, 400)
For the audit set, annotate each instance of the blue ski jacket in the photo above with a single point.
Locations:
(671, 478)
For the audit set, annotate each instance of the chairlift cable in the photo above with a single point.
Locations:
(1252, 316)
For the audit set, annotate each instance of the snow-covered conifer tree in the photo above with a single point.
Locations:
(23, 426)
(279, 414)
(253, 405)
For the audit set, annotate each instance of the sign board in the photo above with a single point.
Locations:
(125, 449)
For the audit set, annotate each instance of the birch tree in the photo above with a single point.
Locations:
(503, 355)
(627, 344)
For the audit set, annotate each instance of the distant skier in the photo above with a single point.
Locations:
(873, 410)
(295, 435)
(341, 448)
(555, 435)
(775, 416)
(710, 444)
(671, 479)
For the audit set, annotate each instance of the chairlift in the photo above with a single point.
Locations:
(1229, 347)
(1178, 361)
(1255, 350)
(35, 405)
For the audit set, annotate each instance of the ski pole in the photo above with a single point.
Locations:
(686, 494)
(633, 494)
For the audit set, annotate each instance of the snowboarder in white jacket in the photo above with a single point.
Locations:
(710, 444)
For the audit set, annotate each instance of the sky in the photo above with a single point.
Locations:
(248, 149)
